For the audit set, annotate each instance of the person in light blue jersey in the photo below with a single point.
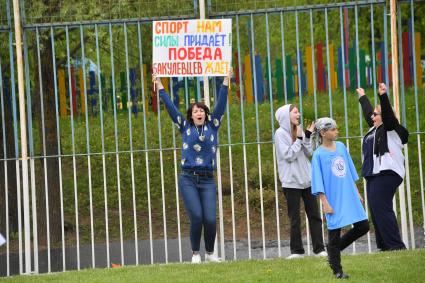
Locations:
(333, 179)
(198, 162)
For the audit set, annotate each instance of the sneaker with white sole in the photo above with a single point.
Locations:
(294, 256)
(196, 258)
(212, 258)
(322, 254)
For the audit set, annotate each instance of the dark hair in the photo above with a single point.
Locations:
(199, 105)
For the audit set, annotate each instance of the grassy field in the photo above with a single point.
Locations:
(230, 133)
(403, 266)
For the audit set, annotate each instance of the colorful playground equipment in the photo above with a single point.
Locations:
(190, 88)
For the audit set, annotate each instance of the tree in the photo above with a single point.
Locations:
(7, 151)
(47, 11)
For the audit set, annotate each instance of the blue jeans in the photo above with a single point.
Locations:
(199, 197)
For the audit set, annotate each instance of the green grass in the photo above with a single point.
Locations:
(403, 266)
(266, 125)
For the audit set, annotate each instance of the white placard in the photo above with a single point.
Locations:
(191, 48)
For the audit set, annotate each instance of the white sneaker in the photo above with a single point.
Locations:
(294, 256)
(196, 258)
(322, 254)
(211, 258)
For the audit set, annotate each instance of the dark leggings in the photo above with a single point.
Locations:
(336, 243)
(380, 194)
(293, 197)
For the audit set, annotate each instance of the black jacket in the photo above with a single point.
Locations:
(389, 123)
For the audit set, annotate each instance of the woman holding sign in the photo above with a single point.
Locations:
(196, 182)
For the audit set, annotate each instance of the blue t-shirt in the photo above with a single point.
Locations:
(199, 144)
(333, 173)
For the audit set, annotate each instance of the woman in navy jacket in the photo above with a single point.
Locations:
(383, 166)
(198, 161)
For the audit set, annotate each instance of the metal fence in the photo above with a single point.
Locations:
(103, 163)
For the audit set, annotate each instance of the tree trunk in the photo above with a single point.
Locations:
(11, 185)
(51, 146)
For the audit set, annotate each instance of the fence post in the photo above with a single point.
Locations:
(22, 118)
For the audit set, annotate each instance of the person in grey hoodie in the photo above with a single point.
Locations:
(293, 150)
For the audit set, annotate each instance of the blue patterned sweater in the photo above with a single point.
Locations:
(199, 144)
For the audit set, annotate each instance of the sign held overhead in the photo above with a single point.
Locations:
(191, 48)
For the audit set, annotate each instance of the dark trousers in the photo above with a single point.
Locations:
(336, 243)
(293, 197)
(380, 194)
(199, 197)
